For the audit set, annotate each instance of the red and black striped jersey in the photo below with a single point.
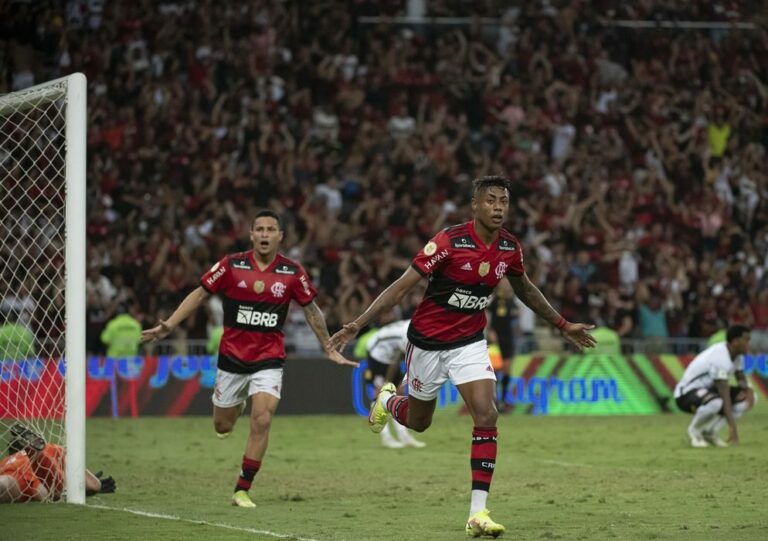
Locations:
(255, 307)
(463, 273)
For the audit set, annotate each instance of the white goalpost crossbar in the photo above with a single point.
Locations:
(42, 290)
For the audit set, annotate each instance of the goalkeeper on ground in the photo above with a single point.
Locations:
(34, 470)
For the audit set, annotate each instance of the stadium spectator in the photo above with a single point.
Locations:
(560, 99)
(257, 287)
(16, 341)
(704, 390)
(464, 264)
(608, 341)
(652, 318)
(122, 334)
(34, 470)
(99, 292)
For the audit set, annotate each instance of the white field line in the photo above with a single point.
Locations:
(201, 522)
(563, 463)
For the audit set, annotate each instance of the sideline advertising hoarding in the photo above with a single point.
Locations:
(171, 385)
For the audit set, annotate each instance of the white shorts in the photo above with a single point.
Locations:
(232, 389)
(428, 370)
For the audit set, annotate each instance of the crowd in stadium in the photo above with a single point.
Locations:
(636, 160)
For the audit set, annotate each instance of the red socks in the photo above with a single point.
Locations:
(483, 457)
(247, 473)
(398, 409)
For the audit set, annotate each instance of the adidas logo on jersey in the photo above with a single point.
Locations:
(242, 285)
(466, 266)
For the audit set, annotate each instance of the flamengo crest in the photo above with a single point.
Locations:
(278, 289)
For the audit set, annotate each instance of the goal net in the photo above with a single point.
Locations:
(42, 291)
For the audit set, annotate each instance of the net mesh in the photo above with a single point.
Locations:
(32, 279)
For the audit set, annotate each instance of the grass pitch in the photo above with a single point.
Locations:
(326, 478)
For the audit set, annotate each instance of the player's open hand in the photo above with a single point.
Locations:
(156, 333)
(578, 335)
(108, 484)
(342, 337)
(338, 358)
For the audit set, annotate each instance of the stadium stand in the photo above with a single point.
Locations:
(637, 158)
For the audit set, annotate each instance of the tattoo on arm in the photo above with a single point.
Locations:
(534, 299)
(316, 321)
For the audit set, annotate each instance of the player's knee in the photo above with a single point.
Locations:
(487, 417)
(260, 422)
(223, 426)
(420, 425)
(740, 408)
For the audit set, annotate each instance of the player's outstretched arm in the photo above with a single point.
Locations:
(316, 321)
(96, 483)
(190, 303)
(385, 301)
(533, 298)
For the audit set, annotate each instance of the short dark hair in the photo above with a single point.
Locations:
(736, 331)
(483, 183)
(268, 214)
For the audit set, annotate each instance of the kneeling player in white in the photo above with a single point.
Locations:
(704, 391)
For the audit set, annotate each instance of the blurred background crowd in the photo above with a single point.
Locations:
(637, 155)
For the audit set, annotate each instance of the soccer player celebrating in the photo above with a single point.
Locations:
(464, 264)
(257, 287)
(704, 391)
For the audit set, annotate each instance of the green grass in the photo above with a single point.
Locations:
(326, 478)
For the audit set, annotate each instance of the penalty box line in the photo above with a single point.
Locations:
(200, 522)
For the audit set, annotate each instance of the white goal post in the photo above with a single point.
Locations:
(42, 272)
